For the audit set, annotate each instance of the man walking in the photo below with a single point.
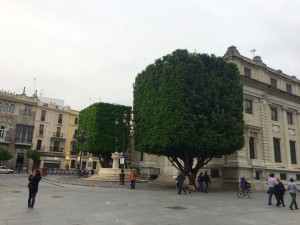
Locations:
(271, 185)
(206, 180)
(179, 182)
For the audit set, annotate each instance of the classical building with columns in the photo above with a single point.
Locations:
(272, 127)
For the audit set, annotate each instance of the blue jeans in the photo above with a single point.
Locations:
(270, 192)
(293, 202)
(31, 198)
(132, 184)
(200, 188)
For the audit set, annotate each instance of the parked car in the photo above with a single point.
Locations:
(4, 169)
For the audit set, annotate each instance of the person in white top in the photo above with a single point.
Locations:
(292, 188)
(271, 185)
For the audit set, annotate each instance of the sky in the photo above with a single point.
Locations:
(87, 51)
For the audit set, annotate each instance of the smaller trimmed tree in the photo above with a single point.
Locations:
(34, 155)
(5, 155)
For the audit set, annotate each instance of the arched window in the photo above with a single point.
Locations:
(12, 108)
(5, 108)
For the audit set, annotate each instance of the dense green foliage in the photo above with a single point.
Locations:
(188, 106)
(105, 137)
(33, 154)
(5, 155)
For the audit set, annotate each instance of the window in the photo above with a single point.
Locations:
(288, 88)
(248, 106)
(39, 145)
(43, 115)
(282, 176)
(76, 121)
(252, 148)
(289, 116)
(2, 132)
(257, 175)
(247, 72)
(142, 156)
(24, 134)
(41, 129)
(293, 152)
(58, 129)
(277, 155)
(60, 118)
(298, 176)
(274, 114)
(273, 82)
(27, 111)
(215, 174)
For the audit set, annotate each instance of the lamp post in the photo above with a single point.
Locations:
(81, 137)
(123, 158)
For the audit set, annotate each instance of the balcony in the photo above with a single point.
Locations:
(24, 142)
(73, 153)
(58, 135)
(56, 149)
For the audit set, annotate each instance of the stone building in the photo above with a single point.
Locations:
(17, 116)
(272, 126)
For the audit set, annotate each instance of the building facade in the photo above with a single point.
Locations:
(272, 126)
(17, 116)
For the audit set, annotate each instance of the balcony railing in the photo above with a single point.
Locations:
(73, 153)
(56, 149)
(58, 135)
(23, 141)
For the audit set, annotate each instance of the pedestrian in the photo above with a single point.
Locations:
(192, 185)
(133, 176)
(279, 191)
(271, 185)
(292, 188)
(33, 187)
(179, 182)
(200, 181)
(206, 180)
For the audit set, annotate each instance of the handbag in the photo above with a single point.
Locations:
(29, 185)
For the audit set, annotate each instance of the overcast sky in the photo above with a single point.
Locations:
(86, 51)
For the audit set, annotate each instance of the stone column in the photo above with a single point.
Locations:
(286, 156)
(267, 153)
(116, 160)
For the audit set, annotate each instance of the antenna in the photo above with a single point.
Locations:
(253, 51)
(34, 84)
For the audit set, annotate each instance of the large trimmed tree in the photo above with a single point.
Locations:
(189, 108)
(105, 137)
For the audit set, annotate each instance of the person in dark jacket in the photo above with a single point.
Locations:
(207, 180)
(179, 182)
(200, 181)
(279, 191)
(33, 187)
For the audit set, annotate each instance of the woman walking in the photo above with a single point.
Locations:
(33, 187)
(279, 191)
(293, 191)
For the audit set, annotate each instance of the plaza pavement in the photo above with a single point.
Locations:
(73, 201)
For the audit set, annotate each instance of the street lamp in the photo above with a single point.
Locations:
(123, 158)
(81, 137)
